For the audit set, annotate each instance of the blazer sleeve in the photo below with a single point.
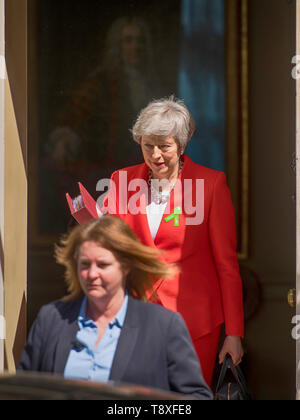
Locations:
(184, 371)
(222, 232)
(31, 356)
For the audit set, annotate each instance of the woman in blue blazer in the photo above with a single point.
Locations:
(103, 329)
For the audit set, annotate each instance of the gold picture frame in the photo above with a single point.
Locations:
(237, 118)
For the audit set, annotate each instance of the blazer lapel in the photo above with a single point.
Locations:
(169, 228)
(139, 222)
(66, 339)
(127, 341)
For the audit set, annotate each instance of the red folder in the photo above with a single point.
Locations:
(88, 210)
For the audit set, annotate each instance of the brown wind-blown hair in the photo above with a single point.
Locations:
(145, 264)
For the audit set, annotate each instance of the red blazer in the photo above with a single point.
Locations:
(208, 289)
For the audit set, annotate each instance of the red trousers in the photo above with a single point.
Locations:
(207, 348)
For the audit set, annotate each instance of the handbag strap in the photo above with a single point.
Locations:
(237, 373)
(239, 377)
(222, 374)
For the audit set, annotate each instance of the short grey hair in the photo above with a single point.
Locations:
(165, 117)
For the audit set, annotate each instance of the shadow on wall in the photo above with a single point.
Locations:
(252, 293)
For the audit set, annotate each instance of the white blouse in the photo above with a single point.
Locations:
(155, 214)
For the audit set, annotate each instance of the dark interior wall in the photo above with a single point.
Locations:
(66, 45)
(271, 349)
(81, 32)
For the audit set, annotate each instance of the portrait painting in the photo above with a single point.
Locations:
(94, 65)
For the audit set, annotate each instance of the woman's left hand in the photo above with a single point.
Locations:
(233, 346)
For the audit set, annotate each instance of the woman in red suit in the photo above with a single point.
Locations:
(185, 210)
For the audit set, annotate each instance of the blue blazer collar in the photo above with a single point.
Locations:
(124, 348)
(67, 335)
(126, 342)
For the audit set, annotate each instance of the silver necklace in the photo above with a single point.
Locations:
(157, 195)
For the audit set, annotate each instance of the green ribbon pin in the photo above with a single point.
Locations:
(175, 216)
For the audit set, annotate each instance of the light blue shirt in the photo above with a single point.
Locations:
(86, 362)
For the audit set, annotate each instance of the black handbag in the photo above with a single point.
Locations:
(236, 389)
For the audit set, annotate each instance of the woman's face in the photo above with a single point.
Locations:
(161, 155)
(132, 44)
(100, 273)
